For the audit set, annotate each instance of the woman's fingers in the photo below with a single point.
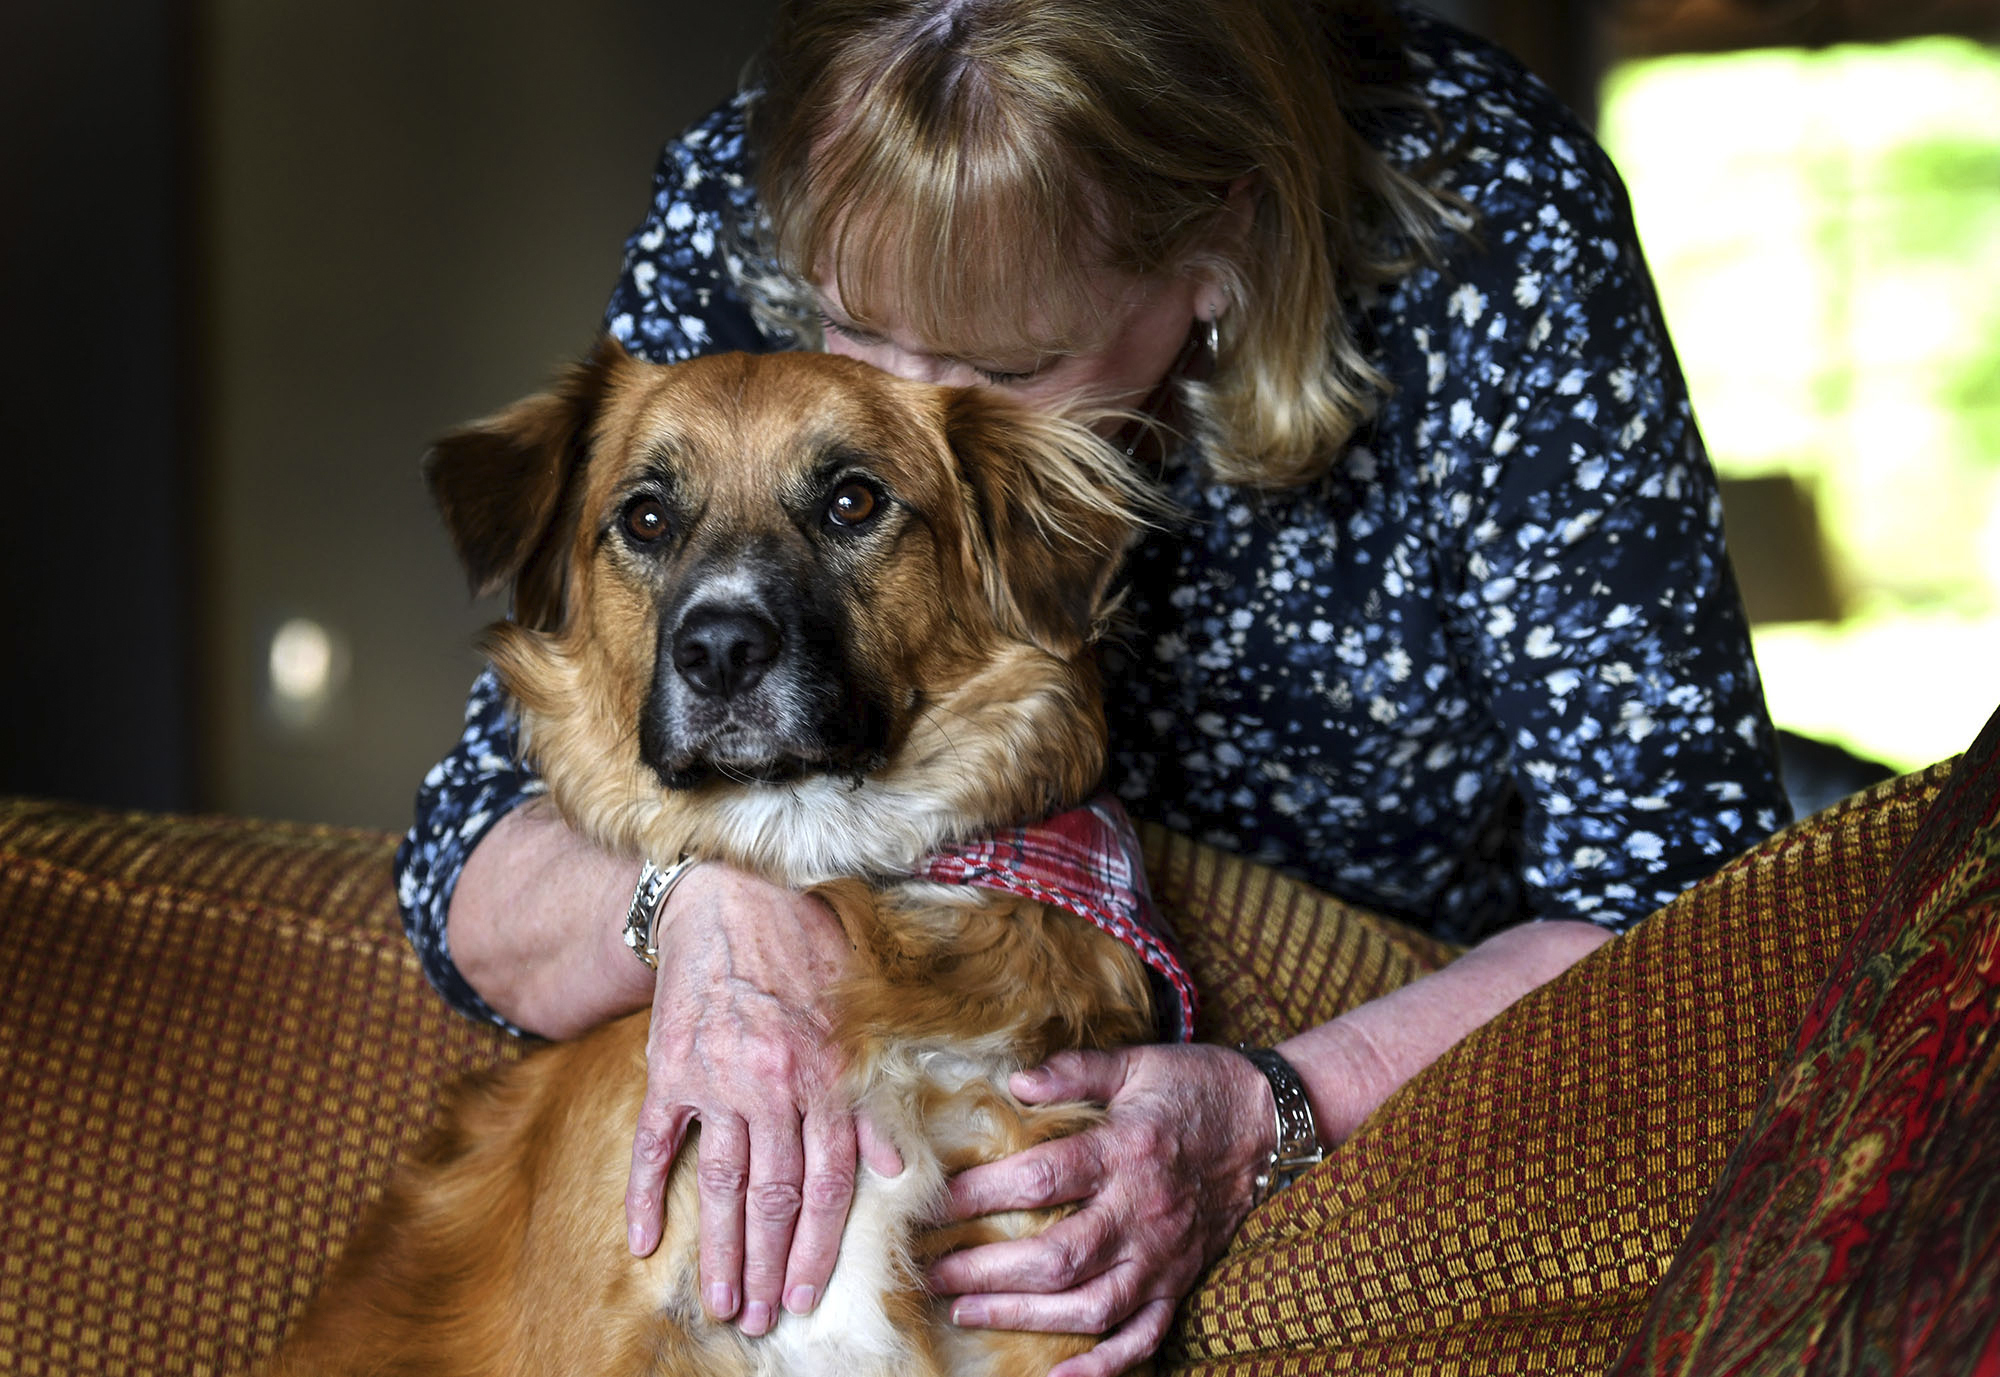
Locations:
(722, 1178)
(1164, 1178)
(1102, 1304)
(1095, 1077)
(826, 1193)
(1071, 1255)
(773, 1205)
(1052, 1173)
(770, 1202)
(655, 1143)
(1126, 1345)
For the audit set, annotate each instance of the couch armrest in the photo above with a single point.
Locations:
(1513, 1207)
(214, 1043)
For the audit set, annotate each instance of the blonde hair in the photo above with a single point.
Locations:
(980, 162)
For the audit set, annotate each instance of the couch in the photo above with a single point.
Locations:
(1760, 1133)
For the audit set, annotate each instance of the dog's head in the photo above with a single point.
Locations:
(789, 610)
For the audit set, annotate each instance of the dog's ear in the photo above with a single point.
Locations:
(1053, 511)
(501, 483)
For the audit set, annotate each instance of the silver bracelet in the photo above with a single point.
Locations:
(642, 919)
(1298, 1138)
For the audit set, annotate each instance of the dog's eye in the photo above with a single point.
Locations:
(646, 519)
(852, 504)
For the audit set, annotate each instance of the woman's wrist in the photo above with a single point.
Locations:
(640, 931)
(1356, 1062)
(1245, 1115)
(1344, 1074)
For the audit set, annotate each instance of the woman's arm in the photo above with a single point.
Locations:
(535, 926)
(1351, 1065)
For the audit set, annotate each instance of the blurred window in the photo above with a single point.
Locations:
(1824, 227)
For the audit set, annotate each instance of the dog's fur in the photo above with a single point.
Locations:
(801, 616)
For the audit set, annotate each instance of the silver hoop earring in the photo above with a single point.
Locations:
(1214, 341)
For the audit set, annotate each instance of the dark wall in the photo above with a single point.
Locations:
(257, 254)
(96, 641)
(416, 213)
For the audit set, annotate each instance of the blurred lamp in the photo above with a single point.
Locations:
(305, 668)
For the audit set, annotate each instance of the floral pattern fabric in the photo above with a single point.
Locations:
(1493, 667)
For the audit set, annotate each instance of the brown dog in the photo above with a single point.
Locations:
(795, 614)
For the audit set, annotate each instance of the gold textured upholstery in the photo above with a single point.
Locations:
(215, 1042)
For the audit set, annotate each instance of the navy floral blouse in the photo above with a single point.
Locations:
(1494, 667)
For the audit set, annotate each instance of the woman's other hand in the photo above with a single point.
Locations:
(1166, 1179)
(1163, 1184)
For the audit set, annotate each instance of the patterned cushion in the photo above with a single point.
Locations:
(214, 1041)
(1857, 1229)
(1513, 1207)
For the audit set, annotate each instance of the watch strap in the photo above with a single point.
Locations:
(1298, 1146)
(649, 897)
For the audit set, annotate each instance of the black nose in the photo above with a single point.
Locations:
(722, 652)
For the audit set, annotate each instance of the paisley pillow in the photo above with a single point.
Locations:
(1856, 1228)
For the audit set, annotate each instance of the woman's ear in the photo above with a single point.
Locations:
(501, 483)
(1226, 244)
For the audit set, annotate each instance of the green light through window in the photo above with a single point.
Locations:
(1825, 230)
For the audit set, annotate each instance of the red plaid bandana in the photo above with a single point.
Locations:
(1086, 861)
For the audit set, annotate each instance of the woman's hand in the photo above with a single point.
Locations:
(739, 1042)
(1164, 1182)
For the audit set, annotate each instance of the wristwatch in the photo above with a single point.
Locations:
(642, 919)
(1298, 1139)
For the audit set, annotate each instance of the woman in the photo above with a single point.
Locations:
(1448, 631)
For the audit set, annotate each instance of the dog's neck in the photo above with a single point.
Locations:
(1015, 743)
